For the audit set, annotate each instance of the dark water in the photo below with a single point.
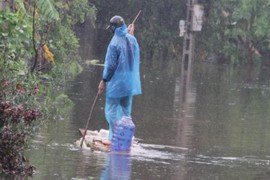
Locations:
(219, 129)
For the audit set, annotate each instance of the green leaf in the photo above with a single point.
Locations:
(5, 34)
(20, 7)
(47, 8)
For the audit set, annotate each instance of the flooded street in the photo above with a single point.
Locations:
(203, 68)
(219, 129)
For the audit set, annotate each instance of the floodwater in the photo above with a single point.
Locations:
(216, 126)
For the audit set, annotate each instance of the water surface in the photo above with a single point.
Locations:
(219, 129)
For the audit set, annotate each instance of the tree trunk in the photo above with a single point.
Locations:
(249, 54)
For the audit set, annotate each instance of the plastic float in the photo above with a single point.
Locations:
(122, 137)
(95, 140)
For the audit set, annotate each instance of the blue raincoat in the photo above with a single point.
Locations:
(122, 60)
(122, 76)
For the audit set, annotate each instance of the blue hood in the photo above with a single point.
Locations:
(121, 31)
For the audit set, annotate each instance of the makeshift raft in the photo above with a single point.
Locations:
(95, 140)
(98, 140)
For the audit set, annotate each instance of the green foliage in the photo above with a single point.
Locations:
(15, 43)
(18, 112)
(14, 40)
(20, 7)
(72, 12)
(47, 8)
(74, 68)
(62, 40)
(17, 97)
(243, 25)
(23, 32)
(62, 99)
(63, 105)
(156, 28)
(64, 43)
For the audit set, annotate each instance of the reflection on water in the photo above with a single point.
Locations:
(221, 131)
(117, 166)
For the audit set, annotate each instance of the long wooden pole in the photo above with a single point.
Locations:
(136, 17)
(89, 118)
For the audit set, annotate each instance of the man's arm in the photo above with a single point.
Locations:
(131, 29)
(111, 63)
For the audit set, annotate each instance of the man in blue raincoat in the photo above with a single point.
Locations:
(121, 74)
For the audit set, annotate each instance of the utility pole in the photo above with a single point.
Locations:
(188, 29)
(189, 38)
(184, 93)
(188, 51)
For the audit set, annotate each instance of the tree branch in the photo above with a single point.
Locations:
(34, 41)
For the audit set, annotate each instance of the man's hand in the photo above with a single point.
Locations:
(101, 87)
(131, 29)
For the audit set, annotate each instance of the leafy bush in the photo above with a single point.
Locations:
(18, 91)
(38, 53)
(16, 119)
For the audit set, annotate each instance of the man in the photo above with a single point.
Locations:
(121, 74)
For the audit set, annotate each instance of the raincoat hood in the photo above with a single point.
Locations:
(121, 31)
